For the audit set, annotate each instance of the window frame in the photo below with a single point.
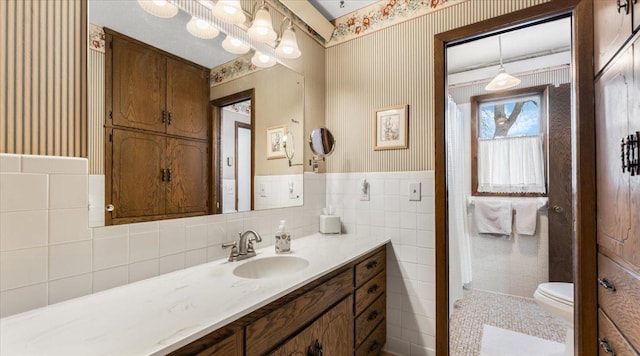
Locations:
(475, 102)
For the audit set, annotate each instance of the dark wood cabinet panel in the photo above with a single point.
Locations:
(374, 343)
(187, 100)
(187, 188)
(333, 331)
(621, 301)
(371, 317)
(370, 267)
(609, 336)
(612, 28)
(612, 106)
(138, 80)
(370, 291)
(270, 330)
(137, 187)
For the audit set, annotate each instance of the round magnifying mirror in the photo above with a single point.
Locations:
(321, 142)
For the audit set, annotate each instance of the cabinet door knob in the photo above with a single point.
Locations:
(623, 4)
(163, 174)
(606, 284)
(373, 289)
(169, 175)
(604, 345)
(372, 264)
(373, 346)
(373, 315)
(557, 209)
(109, 207)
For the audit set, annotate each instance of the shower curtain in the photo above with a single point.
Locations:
(459, 243)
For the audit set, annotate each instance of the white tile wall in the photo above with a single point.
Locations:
(48, 253)
(277, 191)
(411, 255)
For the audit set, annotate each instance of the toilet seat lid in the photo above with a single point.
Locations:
(562, 292)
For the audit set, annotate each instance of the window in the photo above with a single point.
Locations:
(508, 143)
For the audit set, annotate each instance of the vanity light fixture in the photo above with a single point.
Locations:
(235, 46)
(503, 80)
(262, 60)
(202, 29)
(159, 8)
(288, 45)
(229, 11)
(261, 29)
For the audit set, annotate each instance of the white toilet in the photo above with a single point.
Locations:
(557, 299)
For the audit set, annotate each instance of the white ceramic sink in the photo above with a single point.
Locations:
(271, 267)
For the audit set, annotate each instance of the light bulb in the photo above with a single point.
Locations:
(288, 46)
(261, 29)
(229, 11)
(159, 8)
(201, 29)
(235, 46)
(262, 60)
(160, 3)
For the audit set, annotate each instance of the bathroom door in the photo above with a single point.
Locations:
(560, 215)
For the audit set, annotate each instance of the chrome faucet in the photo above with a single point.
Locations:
(243, 248)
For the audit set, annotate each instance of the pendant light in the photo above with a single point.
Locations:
(262, 60)
(261, 29)
(503, 80)
(288, 46)
(159, 8)
(229, 11)
(235, 46)
(202, 29)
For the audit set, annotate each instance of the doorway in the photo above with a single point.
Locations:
(581, 161)
(233, 147)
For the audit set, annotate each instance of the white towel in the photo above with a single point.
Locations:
(493, 216)
(526, 216)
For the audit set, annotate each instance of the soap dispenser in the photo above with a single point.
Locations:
(283, 238)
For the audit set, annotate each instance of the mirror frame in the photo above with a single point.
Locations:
(333, 142)
(583, 165)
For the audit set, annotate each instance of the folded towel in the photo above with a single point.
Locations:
(526, 216)
(493, 216)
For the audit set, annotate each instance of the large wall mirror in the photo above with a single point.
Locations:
(170, 166)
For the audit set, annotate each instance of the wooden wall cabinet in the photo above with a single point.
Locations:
(617, 92)
(154, 176)
(342, 313)
(154, 91)
(158, 159)
(614, 21)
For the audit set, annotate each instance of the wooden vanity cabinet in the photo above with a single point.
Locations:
(336, 313)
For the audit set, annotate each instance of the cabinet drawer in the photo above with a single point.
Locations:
(265, 333)
(369, 291)
(609, 336)
(371, 317)
(374, 343)
(623, 304)
(370, 267)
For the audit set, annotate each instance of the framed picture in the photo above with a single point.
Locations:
(391, 128)
(275, 148)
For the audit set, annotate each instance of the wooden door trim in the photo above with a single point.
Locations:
(242, 125)
(585, 273)
(216, 107)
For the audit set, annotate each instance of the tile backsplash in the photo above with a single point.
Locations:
(411, 254)
(49, 254)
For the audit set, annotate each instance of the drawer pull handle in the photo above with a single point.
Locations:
(373, 289)
(373, 346)
(372, 264)
(604, 345)
(606, 284)
(624, 5)
(373, 315)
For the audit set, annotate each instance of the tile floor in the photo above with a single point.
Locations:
(517, 314)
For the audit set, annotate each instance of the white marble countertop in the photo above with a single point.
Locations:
(164, 313)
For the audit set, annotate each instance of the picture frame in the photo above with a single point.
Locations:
(275, 148)
(391, 128)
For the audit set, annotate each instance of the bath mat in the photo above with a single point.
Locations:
(502, 342)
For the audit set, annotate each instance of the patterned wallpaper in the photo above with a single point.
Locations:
(383, 14)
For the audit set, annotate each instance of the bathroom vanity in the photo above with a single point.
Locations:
(336, 303)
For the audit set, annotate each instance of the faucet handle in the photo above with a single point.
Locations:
(233, 244)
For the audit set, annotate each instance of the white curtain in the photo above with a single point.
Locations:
(459, 243)
(511, 165)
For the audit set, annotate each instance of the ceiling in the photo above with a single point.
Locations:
(170, 35)
(531, 48)
(331, 8)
